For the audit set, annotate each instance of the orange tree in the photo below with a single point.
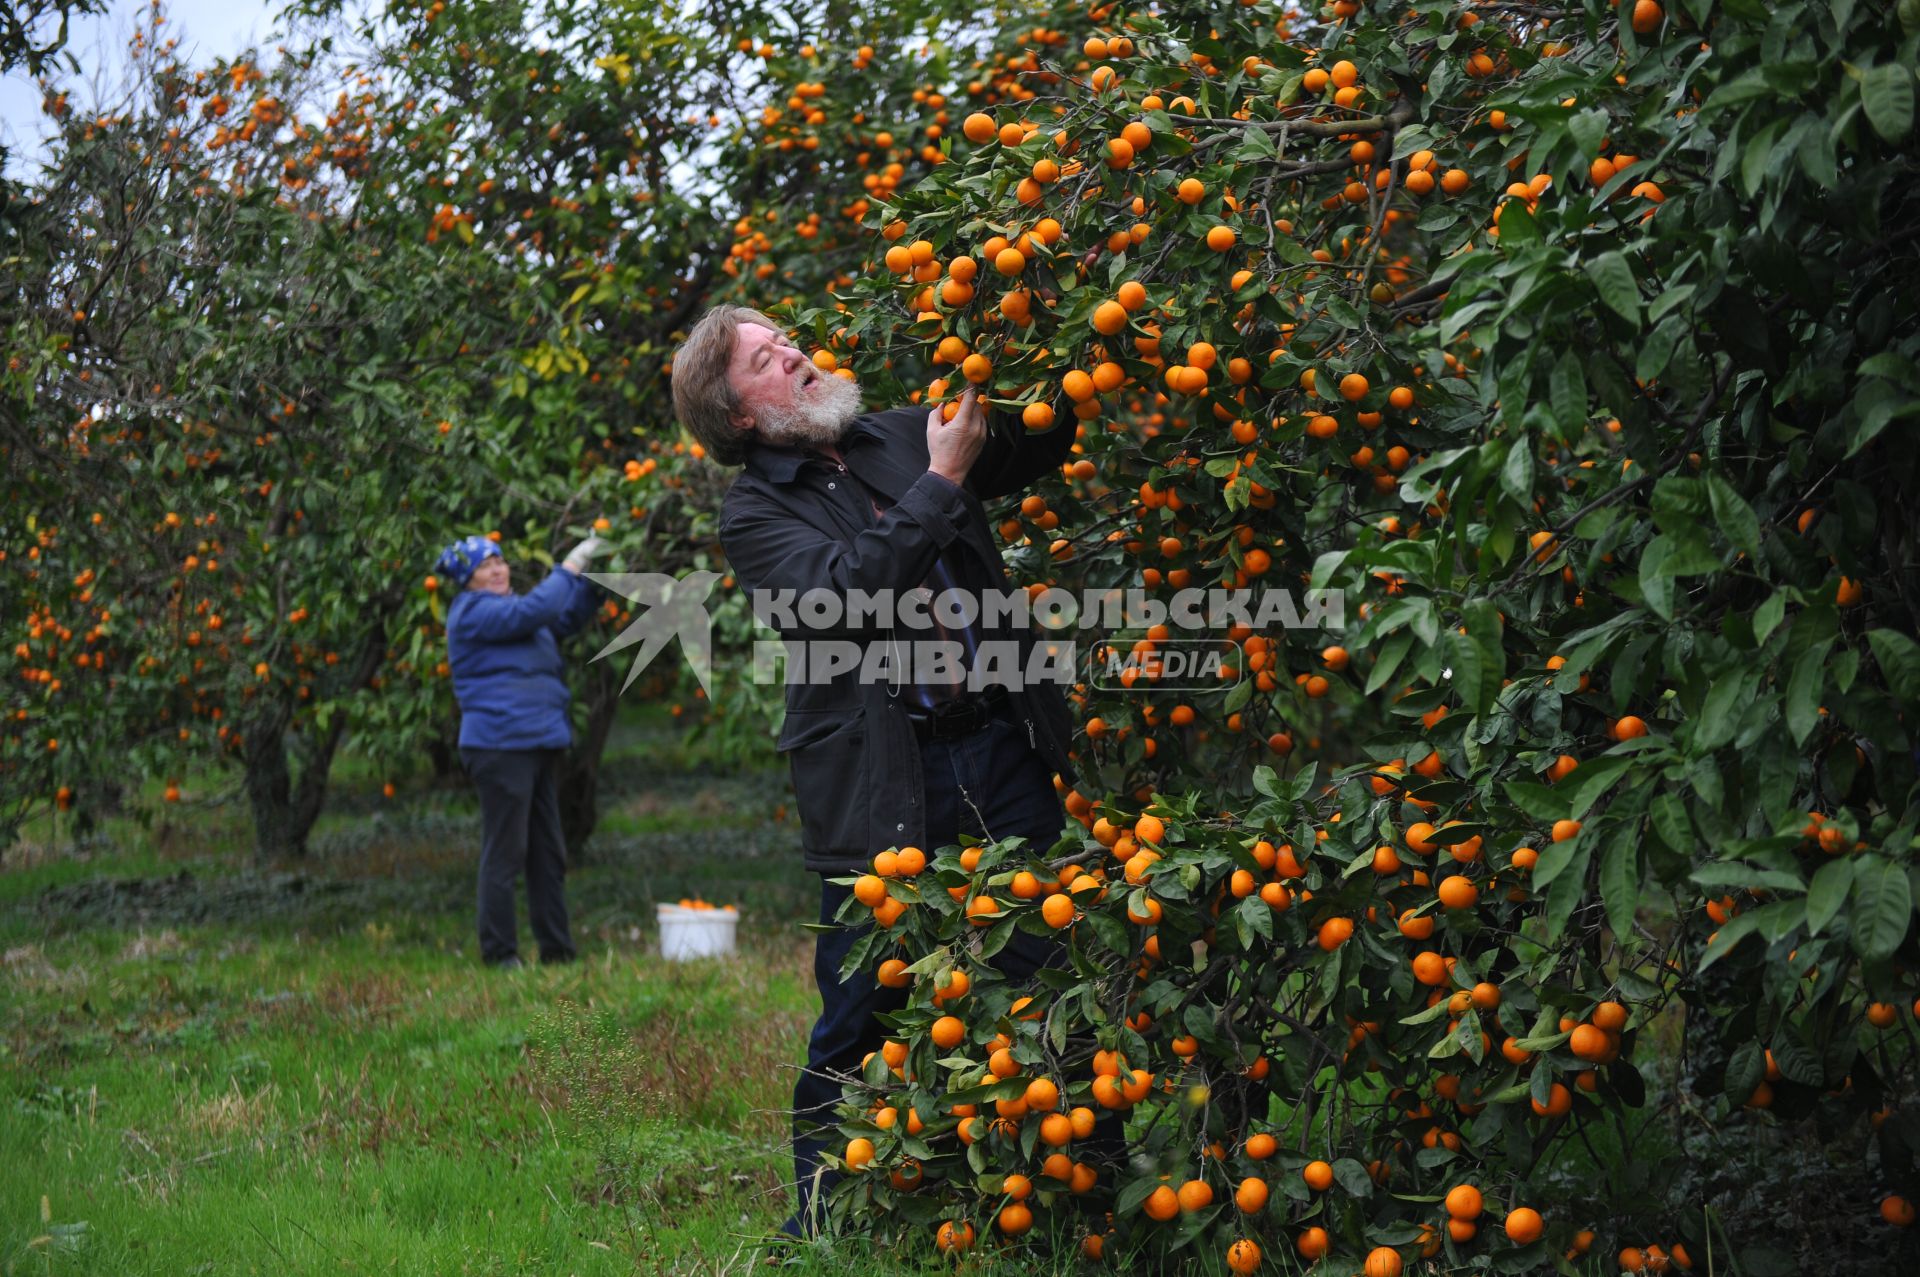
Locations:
(265, 364)
(462, 255)
(1569, 344)
(157, 464)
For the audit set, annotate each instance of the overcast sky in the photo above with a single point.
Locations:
(206, 29)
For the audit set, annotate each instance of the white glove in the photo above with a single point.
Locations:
(577, 558)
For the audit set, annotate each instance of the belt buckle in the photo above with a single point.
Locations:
(953, 719)
(948, 718)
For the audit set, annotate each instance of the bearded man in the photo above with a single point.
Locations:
(831, 498)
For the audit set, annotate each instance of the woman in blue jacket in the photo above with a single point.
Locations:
(504, 651)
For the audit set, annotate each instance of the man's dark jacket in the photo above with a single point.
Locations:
(793, 520)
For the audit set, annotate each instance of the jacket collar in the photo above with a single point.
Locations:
(775, 464)
(864, 447)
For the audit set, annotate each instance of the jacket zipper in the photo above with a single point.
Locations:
(1031, 743)
(893, 691)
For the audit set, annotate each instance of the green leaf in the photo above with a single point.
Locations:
(1353, 1177)
(1567, 392)
(1738, 873)
(1568, 889)
(1882, 907)
(1613, 279)
(1620, 880)
(1391, 653)
(1877, 405)
(1899, 658)
(1657, 347)
(1754, 158)
(1767, 617)
(1133, 1194)
(1892, 365)
(1681, 551)
(1827, 893)
(1670, 299)
(1745, 1068)
(1109, 931)
(1816, 155)
(1735, 516)
(1324, 567)
(1518, 229)
(1720, 712)
(1886, 92)
(1727, 938)
(1803, 691)
(1410, 139)
(1587, 129)
(1742, 88)
(1483, 637)
(1670, 821)
(1453, 321)
(1516, 476)
(1553, 862)
(1592, 779)
(1656, 586)
(1257, 916)
(1539, 802)
(1237, 698)
(1303, 782)
(1797, 1063)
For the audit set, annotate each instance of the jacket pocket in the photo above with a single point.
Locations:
(826, 750)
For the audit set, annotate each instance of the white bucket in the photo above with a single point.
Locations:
(686, 934)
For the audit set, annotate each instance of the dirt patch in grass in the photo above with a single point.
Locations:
(361, 998)
(736, 1079)
(162, 944)
(26, 970)
(248, 897)
(228, 1114)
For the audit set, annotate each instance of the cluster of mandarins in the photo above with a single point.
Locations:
(980, 1101)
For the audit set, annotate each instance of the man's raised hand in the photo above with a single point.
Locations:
(953, 446)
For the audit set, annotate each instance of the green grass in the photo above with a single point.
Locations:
(214, 1067)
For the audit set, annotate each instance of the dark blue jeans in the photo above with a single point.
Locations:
(990, 784)
(520, 833)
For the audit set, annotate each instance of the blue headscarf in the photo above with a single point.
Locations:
(460, 559)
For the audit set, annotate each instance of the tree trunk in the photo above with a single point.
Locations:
(276, 834)
(580, 778)
(284, 810)
(445, 755)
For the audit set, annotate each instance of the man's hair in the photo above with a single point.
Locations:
(703, 397)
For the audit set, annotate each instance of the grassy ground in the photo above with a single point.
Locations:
(218, 1068)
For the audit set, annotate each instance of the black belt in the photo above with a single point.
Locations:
(959, 717)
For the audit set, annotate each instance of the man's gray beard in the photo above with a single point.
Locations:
(819, 416)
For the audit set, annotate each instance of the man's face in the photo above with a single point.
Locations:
(492, 575)
(782, 397)
(767, 371)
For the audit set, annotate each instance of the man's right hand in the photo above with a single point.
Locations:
(953, 446)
